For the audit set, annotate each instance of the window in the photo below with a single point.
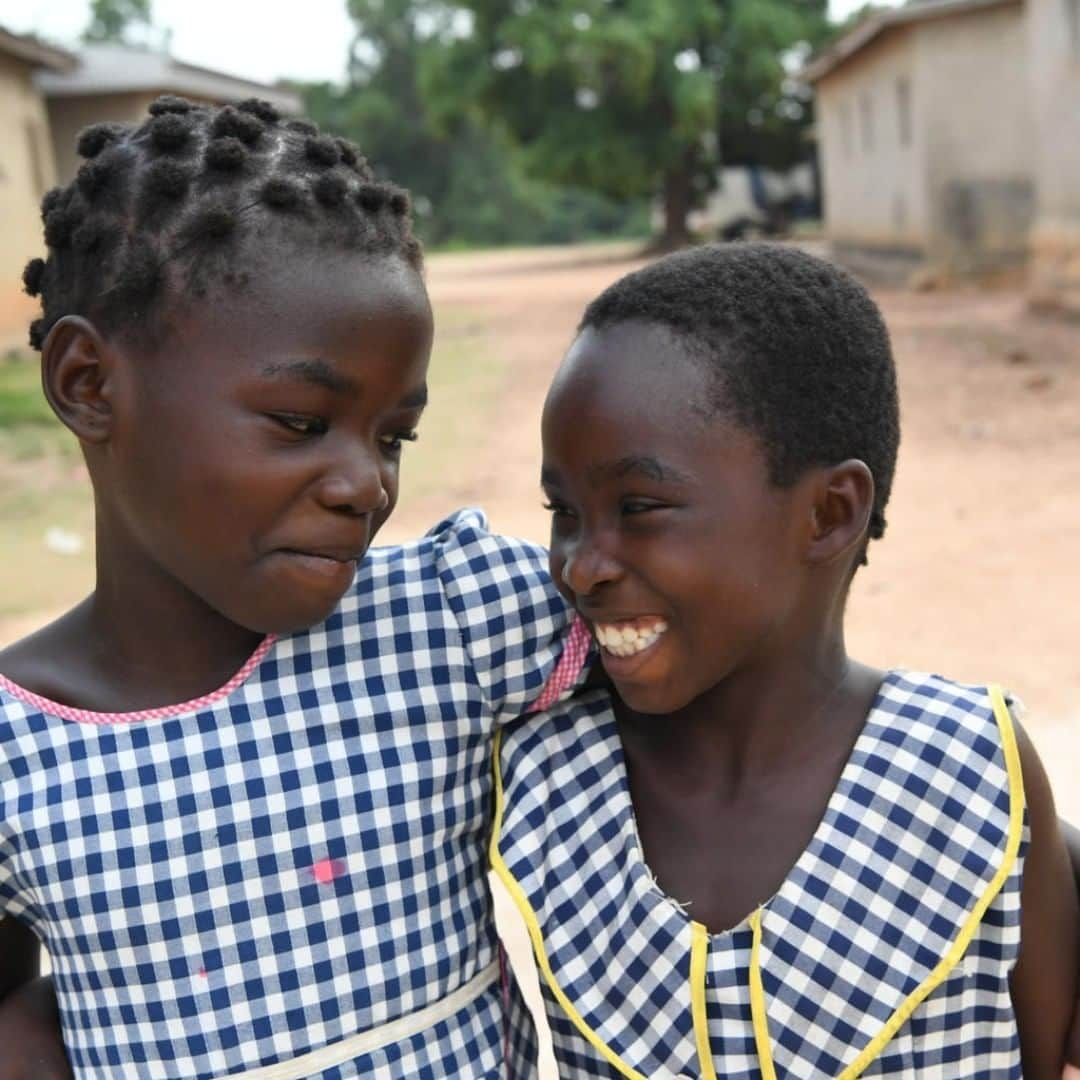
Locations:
(903, 110)
(845, 129)
(1072, 17)
(35, 145)
(866, 116)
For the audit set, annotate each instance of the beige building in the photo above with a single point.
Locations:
(118, 82)
(950, 133)
(26, 171)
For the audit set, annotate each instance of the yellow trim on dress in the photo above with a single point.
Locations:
(955, 951)
(699, 961)
(757, 1003)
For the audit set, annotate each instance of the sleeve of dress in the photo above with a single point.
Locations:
(513, 621)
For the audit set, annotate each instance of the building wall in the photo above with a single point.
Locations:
(928, 141)
(26, 173)
(872, 147)
(1053, 29)
(972, 73)
(69, 115)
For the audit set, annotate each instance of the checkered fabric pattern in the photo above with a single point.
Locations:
(301, 857)
(912, 836)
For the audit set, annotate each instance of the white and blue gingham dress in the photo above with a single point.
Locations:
(299, 857)
(886, 952)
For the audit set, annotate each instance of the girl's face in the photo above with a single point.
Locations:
(255, 454)
(667, 535)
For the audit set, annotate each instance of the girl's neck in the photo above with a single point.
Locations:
(760, 721)
(166, 647)
(139, 641)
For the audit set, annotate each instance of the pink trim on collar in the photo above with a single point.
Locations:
(85, 716)
(576, 646)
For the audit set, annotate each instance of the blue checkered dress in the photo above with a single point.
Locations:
(298, 859)
(918, 859)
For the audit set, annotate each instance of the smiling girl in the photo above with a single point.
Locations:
(765, 859)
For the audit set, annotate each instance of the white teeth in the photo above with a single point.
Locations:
(628, 640)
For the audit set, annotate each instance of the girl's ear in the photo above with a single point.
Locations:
(76, 374)
(843, 499)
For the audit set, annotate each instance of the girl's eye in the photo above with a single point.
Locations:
(556, 508)
(640, 506)
(392, 443)
(302, 425)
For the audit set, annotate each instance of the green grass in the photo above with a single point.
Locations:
(21, 399)
(43, 486)
(464, 382)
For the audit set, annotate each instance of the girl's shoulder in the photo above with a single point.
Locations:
(459, 546)
(50, 661)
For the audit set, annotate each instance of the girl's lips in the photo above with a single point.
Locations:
(324, 567)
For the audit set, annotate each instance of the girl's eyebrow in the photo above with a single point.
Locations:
(315, 371)
(642, 465)
(647, 466)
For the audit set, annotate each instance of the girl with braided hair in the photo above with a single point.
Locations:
(245, 784)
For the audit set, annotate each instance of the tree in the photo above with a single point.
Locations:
(468, 183)
(112, 20)
(635, 97)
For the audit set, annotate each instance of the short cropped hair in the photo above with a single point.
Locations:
(799, 351)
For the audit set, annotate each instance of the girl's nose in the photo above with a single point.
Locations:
(587, 566)
(355, 485)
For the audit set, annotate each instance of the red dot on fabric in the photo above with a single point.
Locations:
(325, 870)
(202, 973)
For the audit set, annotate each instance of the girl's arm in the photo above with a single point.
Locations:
(1043, 983)
(31, 1047)
(20, 955)
(1072, 841)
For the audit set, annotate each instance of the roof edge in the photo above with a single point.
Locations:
(38, 53)
(856, 39)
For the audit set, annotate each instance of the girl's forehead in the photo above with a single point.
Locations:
(632, 369)
(310, 298)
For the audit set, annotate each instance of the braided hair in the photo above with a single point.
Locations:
(182, 203)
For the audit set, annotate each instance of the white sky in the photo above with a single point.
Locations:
(241, 37)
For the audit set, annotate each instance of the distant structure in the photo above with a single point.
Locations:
(949, 133)
(47, 95)
(118, 82)
(27, 168)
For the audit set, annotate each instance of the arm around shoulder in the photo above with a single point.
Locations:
(1043, 983)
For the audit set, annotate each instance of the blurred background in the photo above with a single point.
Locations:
(551, 145)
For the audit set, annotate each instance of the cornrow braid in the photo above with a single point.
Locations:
(170, 206)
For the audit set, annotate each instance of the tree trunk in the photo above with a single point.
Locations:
(678, 195)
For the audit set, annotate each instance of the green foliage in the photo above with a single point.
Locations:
(633, 97)
(112, 20)
(469, 181)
